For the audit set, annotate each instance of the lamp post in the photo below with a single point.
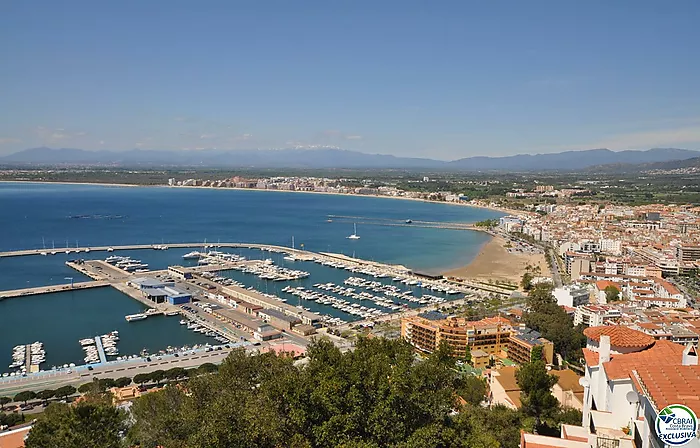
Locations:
(71, 281)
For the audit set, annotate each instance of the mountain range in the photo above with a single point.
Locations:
(338, 158)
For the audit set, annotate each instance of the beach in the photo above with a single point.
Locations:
(494, 262)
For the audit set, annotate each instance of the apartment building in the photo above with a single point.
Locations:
(494, 336)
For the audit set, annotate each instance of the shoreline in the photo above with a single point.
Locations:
(494, 262)
(490, 253)
(107, 184)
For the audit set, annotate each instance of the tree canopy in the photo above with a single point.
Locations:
(612, 294)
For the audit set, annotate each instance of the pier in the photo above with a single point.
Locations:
(100, 349)
(48, 289)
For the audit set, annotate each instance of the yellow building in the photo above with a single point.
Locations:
(492, 336)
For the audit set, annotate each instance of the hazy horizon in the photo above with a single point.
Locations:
(442, 81)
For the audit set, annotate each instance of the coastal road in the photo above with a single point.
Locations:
(77, 376)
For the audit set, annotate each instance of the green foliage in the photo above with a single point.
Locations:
(142, 378)
(537, 353)
(11, 419)
(157, 376)
(175, 373)
(488, 223)
(612, 294)
(25, 396)
(467, 355)
(87, 387)
(122, 382)
(545, 316)
(526, 281)
(536, 384)
(472, 389)
(207, 368)
(87, 424)
(65, 391)
(45, 395)
(4, 401)
(107, 383)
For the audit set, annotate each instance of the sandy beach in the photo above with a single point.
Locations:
(494, 262)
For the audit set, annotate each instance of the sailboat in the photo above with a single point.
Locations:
(354, 235)
(43, 244)
(53, 246)
(291, 257)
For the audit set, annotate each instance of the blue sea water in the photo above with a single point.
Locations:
(98, 215)
(86, 215)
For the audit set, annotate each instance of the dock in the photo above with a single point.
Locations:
(28, 357)
(51, 288)
(100, 349)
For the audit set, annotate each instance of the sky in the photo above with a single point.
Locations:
(444, 80)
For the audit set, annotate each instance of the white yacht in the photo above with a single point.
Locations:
(192, 255)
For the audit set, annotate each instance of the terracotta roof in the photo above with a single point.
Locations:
(506, 378)
(662, 353)
(568, 380)
(671, 384)
(620, 336)
(602, 284)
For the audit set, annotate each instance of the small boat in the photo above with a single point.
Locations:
(354, 235)
(172, 313)
(134, 317)
(409, 221)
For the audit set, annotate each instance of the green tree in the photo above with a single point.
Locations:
(123, 381)
(467, 355)
(157, 376)
(536, 384)
(175, 373)
(537, 353)
(207, 367)
(472, 389)
(87, 387)
(106, 383)
(4, 401)
(142, 378)
(45, 395)
(65, 391)
(612, 294)
(86, 424)
(526, 281)
(25, 396)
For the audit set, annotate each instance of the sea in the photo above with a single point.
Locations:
(60, 216)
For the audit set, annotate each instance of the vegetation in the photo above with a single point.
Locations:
(93, 423)
(375, 396)
(545, 316)
(4, 401)
(536, 384)
(612, 294)
(25, 396)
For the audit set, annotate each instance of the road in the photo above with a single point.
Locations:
(52, 380)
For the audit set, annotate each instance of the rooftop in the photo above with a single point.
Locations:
(621, 365)
(670, 384)
(620, 336)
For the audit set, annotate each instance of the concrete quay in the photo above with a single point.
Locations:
(49, 289)
(76, 376)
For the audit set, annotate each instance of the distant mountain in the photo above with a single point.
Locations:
(338, 158)
(571, 160)
(643, 167)
(258, 158)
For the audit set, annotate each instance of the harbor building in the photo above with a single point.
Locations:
(160, 292)
(494, 336)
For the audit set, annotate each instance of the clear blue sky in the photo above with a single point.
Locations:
(444, 79)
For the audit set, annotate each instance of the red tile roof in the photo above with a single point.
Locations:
(671, 384)
(620, 336)
(662, 353)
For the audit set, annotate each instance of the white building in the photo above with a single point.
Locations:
(609, 246)
(595, 315)
(630, 377)
(572, 295)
